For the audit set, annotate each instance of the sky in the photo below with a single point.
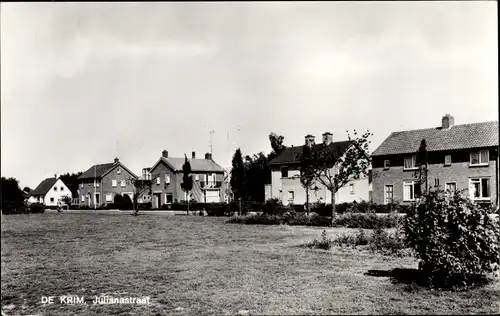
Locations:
(84, 82)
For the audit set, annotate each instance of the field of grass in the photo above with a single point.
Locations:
(200, 265)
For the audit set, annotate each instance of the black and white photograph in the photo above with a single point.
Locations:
(249, 158)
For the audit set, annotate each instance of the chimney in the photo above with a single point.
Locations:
(193, 155)
(116, 160)
(327, 138)
(164, 154)
(56, 175)
(208, 156)
(447, 122)
(309, 140)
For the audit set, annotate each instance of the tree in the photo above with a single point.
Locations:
(71, 181)
(276, 145)
(187, 179)
(11, 195)
(422, 164)
(237, 181)
(334, 168)
(256, 174)
(139, 186)
(307, 172)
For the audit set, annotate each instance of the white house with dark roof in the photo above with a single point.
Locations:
(49, 192)
(285, 177)
(208, 180)
(460, 157)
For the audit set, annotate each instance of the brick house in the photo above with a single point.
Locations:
(49, 192)
(462, 157)
(166, 173)
(285, 177)
(100, 183)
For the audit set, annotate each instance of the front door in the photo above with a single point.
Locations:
(156, 200)
(97, 199)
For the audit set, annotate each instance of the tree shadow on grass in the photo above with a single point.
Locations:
(415, 279)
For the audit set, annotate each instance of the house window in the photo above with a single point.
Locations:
(411, 190)
(83, 198)
(55, 188)
(204, 177)
(98, 184)
(109, 197)
(167, 178)
(158, 180)
(291, 196)
(479, 158)
(386, 164)
(351, 188)
(123, 183)
(410, 162)
(169, 198)
(51, 199)
(479, 188)
(388, 194)
(118, 171)
(284, 172)
(450, 187)
(436, 182)
(113, 183)
(61, 188)
(197, 177)
(447, 160)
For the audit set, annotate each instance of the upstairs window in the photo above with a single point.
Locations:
(118, 171)
(387, 164)
(410, 162)
(447, 160)
(61, 188)
(479, 158)
(55, 188)
(158, 180)
(113, 183)
(351, 188)
(284, 172)
(167, 178)
(123, 183)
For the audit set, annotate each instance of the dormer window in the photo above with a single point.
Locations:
(479, 158)
(387, 164)
(410, 163)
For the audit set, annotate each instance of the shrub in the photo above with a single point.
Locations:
(321, 209)
(144, 206)
(382, 241)
(370, 220)
(36, 208)
(259, 219)
(274, 207)
(455, 239)
(360, 239)
(126, 203)
(324, 243)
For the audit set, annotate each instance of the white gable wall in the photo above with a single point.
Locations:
(53, 196)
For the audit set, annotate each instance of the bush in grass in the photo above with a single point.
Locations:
(36, 208)
(455, 239)
(144, 206)
(126, 203)
(324, 243)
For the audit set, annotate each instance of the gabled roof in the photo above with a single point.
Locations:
(44, 187)
(475, 135)
(99, 171)
(292, 155)
(197, 165)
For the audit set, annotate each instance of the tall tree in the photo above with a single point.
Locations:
(334, 169)
(237, 181)
(139, 186)
(307, 172)
(256, 174)
(422, 164)
(187, 179)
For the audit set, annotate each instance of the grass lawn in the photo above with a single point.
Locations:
(200, 265)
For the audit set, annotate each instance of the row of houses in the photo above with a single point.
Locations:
(460, 157)
(100, 183)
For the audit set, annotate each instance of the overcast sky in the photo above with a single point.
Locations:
(84, 82)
